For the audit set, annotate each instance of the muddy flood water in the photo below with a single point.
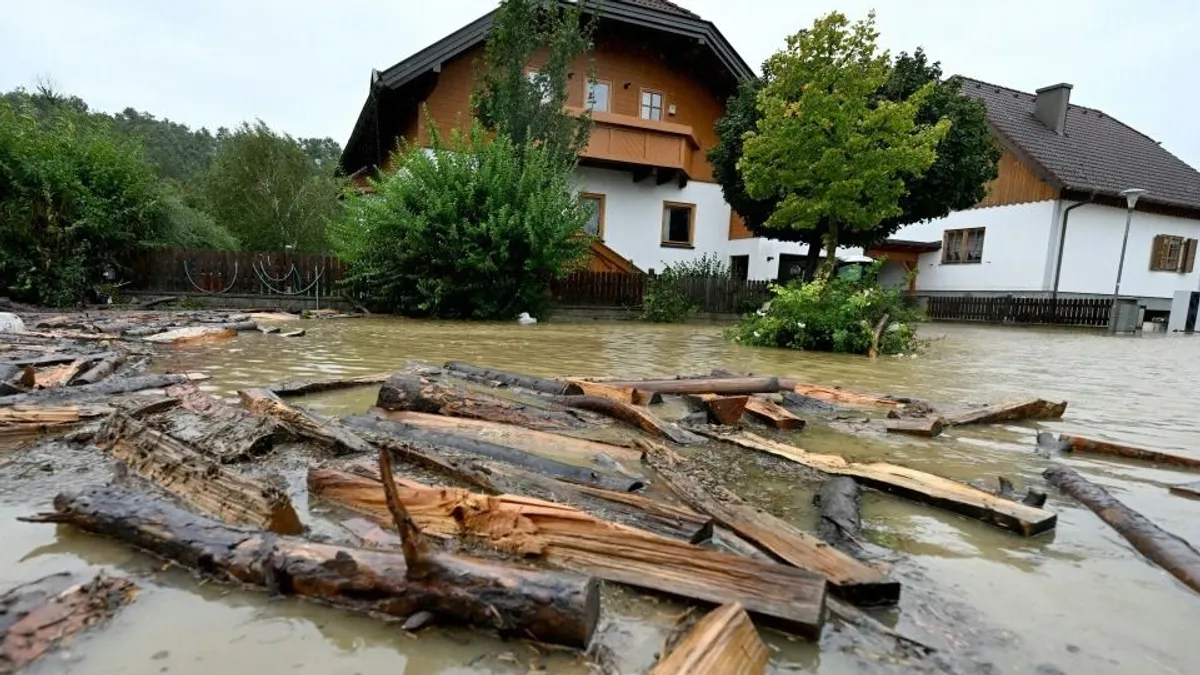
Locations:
(1078, 600)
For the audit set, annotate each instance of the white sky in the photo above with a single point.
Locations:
(302, 66)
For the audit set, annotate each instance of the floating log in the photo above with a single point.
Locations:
(849, 578)
(725, 410)
(488, 375)
(407, 391)
(527, 460)
(107, 366)
(107, 387)
(305, 387)
(1094, 447)
(299, 332)
(635, 417)
(928, 426)
(1028, 409)
(548, 606)
(912, 484)
(1168, 551)
(790, 598)
(195, 479)
(224, 432)
(706, 385)
(191, 334)
(840, 524)
(38, 616)
(240, 326)
(772, 414)
(724, 642)
(630, 395)
(304, 423)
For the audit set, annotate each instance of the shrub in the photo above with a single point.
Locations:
(838, 315)
(469, 229)
(667, 299)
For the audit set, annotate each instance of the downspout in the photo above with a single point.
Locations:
(1062, 242)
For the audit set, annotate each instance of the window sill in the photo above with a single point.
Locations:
(962, 262)
(676, 244)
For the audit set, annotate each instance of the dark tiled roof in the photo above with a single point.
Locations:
(1098, 153)
(664, 6)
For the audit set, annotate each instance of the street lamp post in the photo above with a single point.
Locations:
(1131, 197)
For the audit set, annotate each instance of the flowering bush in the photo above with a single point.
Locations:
(834, 315)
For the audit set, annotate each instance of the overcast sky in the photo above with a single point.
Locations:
(303, 66)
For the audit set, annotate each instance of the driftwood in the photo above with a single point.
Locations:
(527, 460)
(840, 523)
(23, 423)
(790, 598)
(631, 395)
(1078, 444)
(849, 578)
(845, 397)
(1028, 409)
(196, 480)
(912, 484)
(548, 606)
(304, 423)
(488, 376)
(1168, 551)
(772, 414)
(928, 426)
(108, 387)
(873, 350)
(725, 410)
(299, 332)
(38, 616)
(301, 388)
(1186, 489)
(634, 416)
(706, 385)
(224, 432)
(192, 334)
(406, 391)
(724, 642)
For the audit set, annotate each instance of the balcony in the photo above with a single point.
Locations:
(662, 149)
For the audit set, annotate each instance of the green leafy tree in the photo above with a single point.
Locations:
(469, 229)
(179, 153)
(528, 106)
(269, 193)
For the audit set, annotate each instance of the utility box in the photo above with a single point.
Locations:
(1184, 310)
(1126, 316)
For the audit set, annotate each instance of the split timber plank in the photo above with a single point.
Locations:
(706, 385)
(197, 480)
(844, 397)
(636, 417)
(772, 414)
(305, 387)
(848, 577)
(912, 484)
(724, 642)
(726, 410)
(1081, 445)
(192, 334)
(787, 597)
(304, 423)
(225, 432)
(1012, 411)
(631, 395)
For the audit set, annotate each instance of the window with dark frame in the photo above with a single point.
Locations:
(598, 95)
(1171, 253)
(595, 223)
(963, 246)
(652, 105)
(739, 267)
(677, 223)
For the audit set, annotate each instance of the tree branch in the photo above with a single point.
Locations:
(416, 552)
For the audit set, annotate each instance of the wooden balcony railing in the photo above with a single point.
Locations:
(632, 141)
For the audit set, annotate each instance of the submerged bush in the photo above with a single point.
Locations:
(667, 299)
(834, 315)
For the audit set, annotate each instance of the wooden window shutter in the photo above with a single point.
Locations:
(1189, 256)
(1156, 252)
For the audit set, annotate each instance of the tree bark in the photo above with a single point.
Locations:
(1168, 551)
(18, 425)
(40, 615)
(706, 385)
(221, 431)
(1028, 409)
(912, 484)
(772, 414)
(554, 607)
(303, 388)
(405, 391)
(848, 577)
(1078, 444)
(840, 524)
(631, 415)
(724, 642)
(195, 479)
(488, 375)
(564, 536)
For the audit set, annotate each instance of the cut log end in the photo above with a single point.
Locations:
(723, 642)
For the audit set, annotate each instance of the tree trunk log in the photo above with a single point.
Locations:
(849, 578)
(928, 426)
(631, 395)
(21, 424)
(631, 415)
(304, 423)
(840, 524)
(706, 385)
(791, 598)
(772, 414)
(724, 642)
(552, 607)
(38, 616)
(107, 387)
(1168, 551)
(912, 484)
(106, 367)
(195, 479)
(302, 388)
(1078, 444)
(1029, 409)
(224, 432)
(726, 410)
(488, 375)
(409, 392)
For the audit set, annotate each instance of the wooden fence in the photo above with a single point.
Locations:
(719, 295)
(178, 270)
(1028, 310)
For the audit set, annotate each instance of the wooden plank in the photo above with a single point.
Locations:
(707, 385)
(928, 426)
(724, 642)
(631, 395)
(848, 577)
(911, 484)
(790, 598)
(1186, 489)
(726, 410)
(305, 387)
(843, 397)
(1012, 411)
(1079, 444)
(772, 414)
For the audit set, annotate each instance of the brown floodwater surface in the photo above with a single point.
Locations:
(1080, 600)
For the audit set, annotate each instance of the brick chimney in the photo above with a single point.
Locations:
(1051, 106)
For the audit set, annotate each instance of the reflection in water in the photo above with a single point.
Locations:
(1080, 599)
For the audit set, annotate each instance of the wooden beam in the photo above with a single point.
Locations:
(631, 395)
(706, 385)
(928, 426)
(1081, 445)
(772, 414)
(724, 642)
(912, 484)
(1012, 411)
(636, 417)
(305, 387)
(726, 410)
(481, 374)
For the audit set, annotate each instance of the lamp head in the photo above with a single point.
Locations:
(1131, 195)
